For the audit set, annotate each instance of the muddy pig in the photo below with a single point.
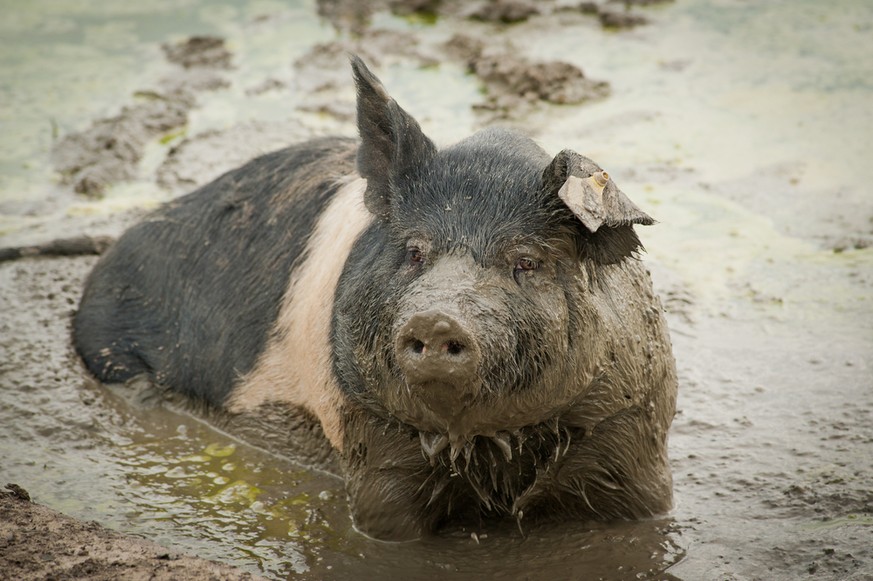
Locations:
(469, 328)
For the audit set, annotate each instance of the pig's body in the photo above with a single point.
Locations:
(467, 346)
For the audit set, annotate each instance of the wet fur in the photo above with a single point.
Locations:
(576, 389)
(585, 393)
(294, 368)
(189, 295)
(602, 457)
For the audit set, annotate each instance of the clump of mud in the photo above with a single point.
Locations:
(505, 11)
(629, 3)
(610, 19)
(356, 16)
(514, 83)
(199, 51)
(39, 543)
(410, 7)
(352, 16)
(111, 149)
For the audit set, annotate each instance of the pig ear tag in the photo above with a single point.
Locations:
(584, 196)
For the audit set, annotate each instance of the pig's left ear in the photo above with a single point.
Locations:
(392, 143)
(590, 193)
(608, 216)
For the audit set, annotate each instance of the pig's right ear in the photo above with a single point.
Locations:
(392, 143)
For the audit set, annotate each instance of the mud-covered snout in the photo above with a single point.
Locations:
(433, 347)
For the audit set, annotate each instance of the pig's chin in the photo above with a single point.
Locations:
(458, 412)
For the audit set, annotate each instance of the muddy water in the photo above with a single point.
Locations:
(745, 131)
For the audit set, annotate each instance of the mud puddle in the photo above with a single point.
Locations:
(743, 130)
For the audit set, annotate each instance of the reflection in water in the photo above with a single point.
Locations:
(195, 488)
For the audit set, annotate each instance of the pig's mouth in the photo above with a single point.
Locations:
(438, 405)
(459, 416)
(444, 399)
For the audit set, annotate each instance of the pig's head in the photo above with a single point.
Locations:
(463, 310)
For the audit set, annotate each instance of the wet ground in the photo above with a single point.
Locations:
(745, 130)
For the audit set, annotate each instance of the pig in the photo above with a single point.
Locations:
(469, 331)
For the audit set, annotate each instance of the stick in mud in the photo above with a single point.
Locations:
(78, 246)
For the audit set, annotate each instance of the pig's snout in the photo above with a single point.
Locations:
(434, 347)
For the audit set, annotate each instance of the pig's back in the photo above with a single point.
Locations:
(190, 294)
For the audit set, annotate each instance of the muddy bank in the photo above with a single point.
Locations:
(39, 543)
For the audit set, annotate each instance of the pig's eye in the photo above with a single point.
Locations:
(414, 256)
(526, 263)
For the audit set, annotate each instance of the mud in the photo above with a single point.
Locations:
(610, 19)
(744, 132)
(73, 549)
(613, 14)
(321, 73)
(111, 150)
(515, 84)
(199, 51)
(506, 11)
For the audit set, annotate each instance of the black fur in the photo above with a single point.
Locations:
(555, 353)
(190, 294)
(392, 143)
(617, 240)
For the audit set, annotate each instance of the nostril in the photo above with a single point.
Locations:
(453, 348)
(416, 346)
